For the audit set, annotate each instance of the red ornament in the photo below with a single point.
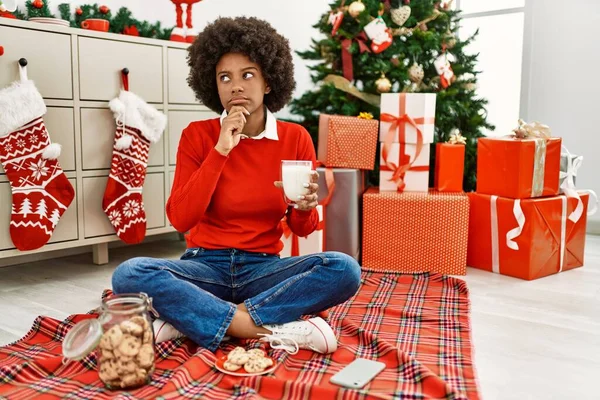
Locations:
(78, 11)
(406, 1)
(131, 30)
(104, 9)
(38, 4)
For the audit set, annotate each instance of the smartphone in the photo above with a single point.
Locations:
(358, 373)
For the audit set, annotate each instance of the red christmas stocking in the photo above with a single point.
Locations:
(138, 124)
(41, 192)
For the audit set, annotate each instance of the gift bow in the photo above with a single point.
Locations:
(365, 115)
(532, 130)
(405, 164)
(457, 138)
(540, 133)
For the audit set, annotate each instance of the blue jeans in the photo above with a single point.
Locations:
(198, 293)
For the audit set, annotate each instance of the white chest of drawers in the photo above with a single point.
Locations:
(78, 72)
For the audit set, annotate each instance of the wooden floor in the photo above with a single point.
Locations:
(533, 340)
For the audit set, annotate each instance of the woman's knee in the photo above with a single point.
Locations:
(350, 272)
(127, 274)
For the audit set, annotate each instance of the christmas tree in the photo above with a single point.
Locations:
(354, 65)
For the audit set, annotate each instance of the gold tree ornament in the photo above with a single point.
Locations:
(416, 73)
(470, 86)
(449, 39)
(356, 8)
(400, 15)
(383, 84)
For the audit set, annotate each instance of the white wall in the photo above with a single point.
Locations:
(293, 19)
(561, 81)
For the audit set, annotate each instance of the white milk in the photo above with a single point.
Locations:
(294, 177)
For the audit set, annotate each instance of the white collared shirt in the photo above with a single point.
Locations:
(270, 131)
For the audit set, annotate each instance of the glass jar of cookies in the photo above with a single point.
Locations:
(123, 339)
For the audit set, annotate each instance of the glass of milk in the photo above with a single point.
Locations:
(294, 174)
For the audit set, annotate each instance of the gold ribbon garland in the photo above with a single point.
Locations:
(343, 84)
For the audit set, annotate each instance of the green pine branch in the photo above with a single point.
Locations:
(33, 12)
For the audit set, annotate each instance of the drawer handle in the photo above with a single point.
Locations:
(23, 62)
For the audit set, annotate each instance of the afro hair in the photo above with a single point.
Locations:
(256, 39)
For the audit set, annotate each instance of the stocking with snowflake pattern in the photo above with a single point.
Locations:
(41, 192)
(138, 124)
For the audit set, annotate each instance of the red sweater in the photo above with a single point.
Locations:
(230, 201)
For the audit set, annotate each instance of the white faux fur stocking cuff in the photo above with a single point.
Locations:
(20, 103)
(131, 110)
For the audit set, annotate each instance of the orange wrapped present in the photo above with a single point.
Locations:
(450, 164)
(300, 246)
(415, 232)
(529, 238)
(522, 166)
(347, 142)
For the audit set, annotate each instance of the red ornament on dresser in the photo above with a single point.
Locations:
(38, 4)
(104, 9)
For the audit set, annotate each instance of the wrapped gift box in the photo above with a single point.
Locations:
(402, 169)
(449, 167)
(343, 213)
(565, 173)
(527, 239)
(347, 142)
(415, 232)
(403, 113)
(518, 168)
(301, 246)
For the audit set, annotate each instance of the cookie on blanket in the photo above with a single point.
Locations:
(256, 353)
(258, 364)
(229, 366)
(238, 356)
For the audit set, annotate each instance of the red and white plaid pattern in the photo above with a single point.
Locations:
(418, 325)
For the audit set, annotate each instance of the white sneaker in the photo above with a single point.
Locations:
(314, 334)
(164, 331)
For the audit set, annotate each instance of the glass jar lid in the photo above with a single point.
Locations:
(82, 339)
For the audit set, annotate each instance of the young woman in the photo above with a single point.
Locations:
(226, 194)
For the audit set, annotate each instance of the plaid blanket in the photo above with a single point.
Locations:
(418, 325)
